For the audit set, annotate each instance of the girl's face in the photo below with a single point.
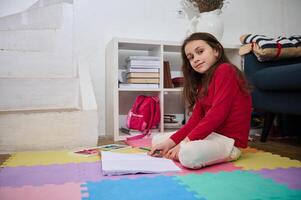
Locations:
(200, 55)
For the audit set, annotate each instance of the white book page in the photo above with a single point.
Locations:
(114, 163)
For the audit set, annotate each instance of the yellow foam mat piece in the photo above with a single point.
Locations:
(30, 158)
(130, 150)
(264, 160)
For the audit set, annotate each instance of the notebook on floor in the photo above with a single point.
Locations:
(114, 163)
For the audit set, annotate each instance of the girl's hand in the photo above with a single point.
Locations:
(161, 149)
(173, 153)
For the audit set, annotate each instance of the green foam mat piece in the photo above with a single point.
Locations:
(237, 185)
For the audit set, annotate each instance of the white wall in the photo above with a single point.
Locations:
(8, 7)
(97, 21)
(267, 17)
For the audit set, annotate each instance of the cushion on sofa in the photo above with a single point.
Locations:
(278, 78)
(277, 102)
(267, 48)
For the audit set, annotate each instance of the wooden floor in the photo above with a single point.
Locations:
(285, 147)
(3, 157)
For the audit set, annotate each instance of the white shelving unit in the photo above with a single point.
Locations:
(120, 100)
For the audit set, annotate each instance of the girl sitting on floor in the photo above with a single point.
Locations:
(219, 96)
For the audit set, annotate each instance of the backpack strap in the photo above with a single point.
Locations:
(138, 102)
(152, 116)
(155, 110)
(136, 137)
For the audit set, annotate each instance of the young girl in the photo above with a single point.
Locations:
(218, 93)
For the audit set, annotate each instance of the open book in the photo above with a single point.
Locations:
(114, 163)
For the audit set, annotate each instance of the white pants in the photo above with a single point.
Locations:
(215, 148)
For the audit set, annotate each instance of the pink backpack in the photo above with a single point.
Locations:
(144, 114)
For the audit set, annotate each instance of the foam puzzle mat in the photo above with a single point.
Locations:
(63, 175)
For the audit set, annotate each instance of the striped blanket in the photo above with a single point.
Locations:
(267, 48)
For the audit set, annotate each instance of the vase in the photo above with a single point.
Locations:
(209, 22)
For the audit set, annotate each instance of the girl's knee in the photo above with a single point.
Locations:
(189, 158)
(158, 138)
(198, 154)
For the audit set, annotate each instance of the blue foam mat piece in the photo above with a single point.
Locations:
(160, 187)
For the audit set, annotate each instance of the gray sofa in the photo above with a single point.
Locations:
(276, 89)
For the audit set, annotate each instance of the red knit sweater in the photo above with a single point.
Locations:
(226, 110)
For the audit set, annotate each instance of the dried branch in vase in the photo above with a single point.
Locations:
(207, 5)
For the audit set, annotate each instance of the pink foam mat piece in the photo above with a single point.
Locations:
(50, 174)
(45, 192)
(225, 167)
(144, 142)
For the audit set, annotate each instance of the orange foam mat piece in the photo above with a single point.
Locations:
(45, 192)
(264, 160)
(31, 158)
(250, 150)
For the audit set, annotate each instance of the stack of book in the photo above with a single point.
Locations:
(142, 72)
(171, 122)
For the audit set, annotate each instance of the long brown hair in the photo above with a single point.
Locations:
(193, 79)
